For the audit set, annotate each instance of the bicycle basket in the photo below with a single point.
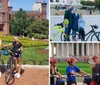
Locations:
(4, 52)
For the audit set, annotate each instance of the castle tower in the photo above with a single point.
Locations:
(37, 6)
(44, 4)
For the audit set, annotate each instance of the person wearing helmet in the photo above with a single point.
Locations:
(72, 71)
(95, 71)
(53, 70)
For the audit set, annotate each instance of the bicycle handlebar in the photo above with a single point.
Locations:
(59, 24)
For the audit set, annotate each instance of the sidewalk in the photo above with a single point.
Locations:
(34, 75)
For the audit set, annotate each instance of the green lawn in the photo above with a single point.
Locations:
(83, 66)
(31, 53)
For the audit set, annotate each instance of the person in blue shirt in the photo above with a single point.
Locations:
(81, 26)
(72, 71)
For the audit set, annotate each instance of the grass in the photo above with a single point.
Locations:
(82, 66)
(31, 53)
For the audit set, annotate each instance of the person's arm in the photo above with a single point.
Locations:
(21, 49)
(83, 72)
(74, 73)
(58, 73)
(8, 45)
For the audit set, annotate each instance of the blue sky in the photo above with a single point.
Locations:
(25, 4)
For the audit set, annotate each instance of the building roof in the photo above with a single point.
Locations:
(28, 12)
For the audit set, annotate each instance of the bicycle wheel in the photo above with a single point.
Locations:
(9, 75)
(63, 36)
(95, 37)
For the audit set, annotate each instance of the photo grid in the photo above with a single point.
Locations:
(74, 48)
(49, 42)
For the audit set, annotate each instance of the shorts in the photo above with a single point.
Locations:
(71, 82)
(17, 55)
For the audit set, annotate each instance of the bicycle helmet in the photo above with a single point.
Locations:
(53, 60)
(70, 60)
(94, 57)
(66, 21)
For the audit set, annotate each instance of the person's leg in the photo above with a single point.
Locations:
(68, 32)
(19, 65)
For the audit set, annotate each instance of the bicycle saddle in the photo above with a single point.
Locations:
(94, 26)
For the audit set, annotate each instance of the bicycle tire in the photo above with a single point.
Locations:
(62, 37)
(94, 37)
(9, 73)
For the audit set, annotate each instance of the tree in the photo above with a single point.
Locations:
(20, 22)
(97, 4)
(39, 27)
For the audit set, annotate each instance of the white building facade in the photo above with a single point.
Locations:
(65, 50)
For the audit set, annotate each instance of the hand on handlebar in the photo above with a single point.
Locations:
(79, 75)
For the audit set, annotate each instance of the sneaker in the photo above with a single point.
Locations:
(18, 76)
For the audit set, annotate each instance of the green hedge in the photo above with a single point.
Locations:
(27, 42)
(38, 36)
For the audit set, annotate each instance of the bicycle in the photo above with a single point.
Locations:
(63, 36)
(59, 81)
(90, 35)
(88, 79)
(9, 73)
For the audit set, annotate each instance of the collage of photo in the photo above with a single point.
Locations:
(49, 42)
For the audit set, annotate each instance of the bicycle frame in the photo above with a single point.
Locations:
(59, 31)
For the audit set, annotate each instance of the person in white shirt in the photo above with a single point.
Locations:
(81, 26)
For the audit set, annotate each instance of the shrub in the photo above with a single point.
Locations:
(38, 36)
(27, 42)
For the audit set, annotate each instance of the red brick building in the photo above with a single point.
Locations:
(6, 12)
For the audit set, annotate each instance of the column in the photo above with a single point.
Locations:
(52, 49)
(57, 49)
(72, 49)
(98, 51)
(92, 48)
(62, 50)
(87, 49)
(77, 50)
(82, 51)
(67, 50)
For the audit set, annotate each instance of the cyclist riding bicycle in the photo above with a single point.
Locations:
(53, 70)
(95, 71)
(71, 72)
(17, 49)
